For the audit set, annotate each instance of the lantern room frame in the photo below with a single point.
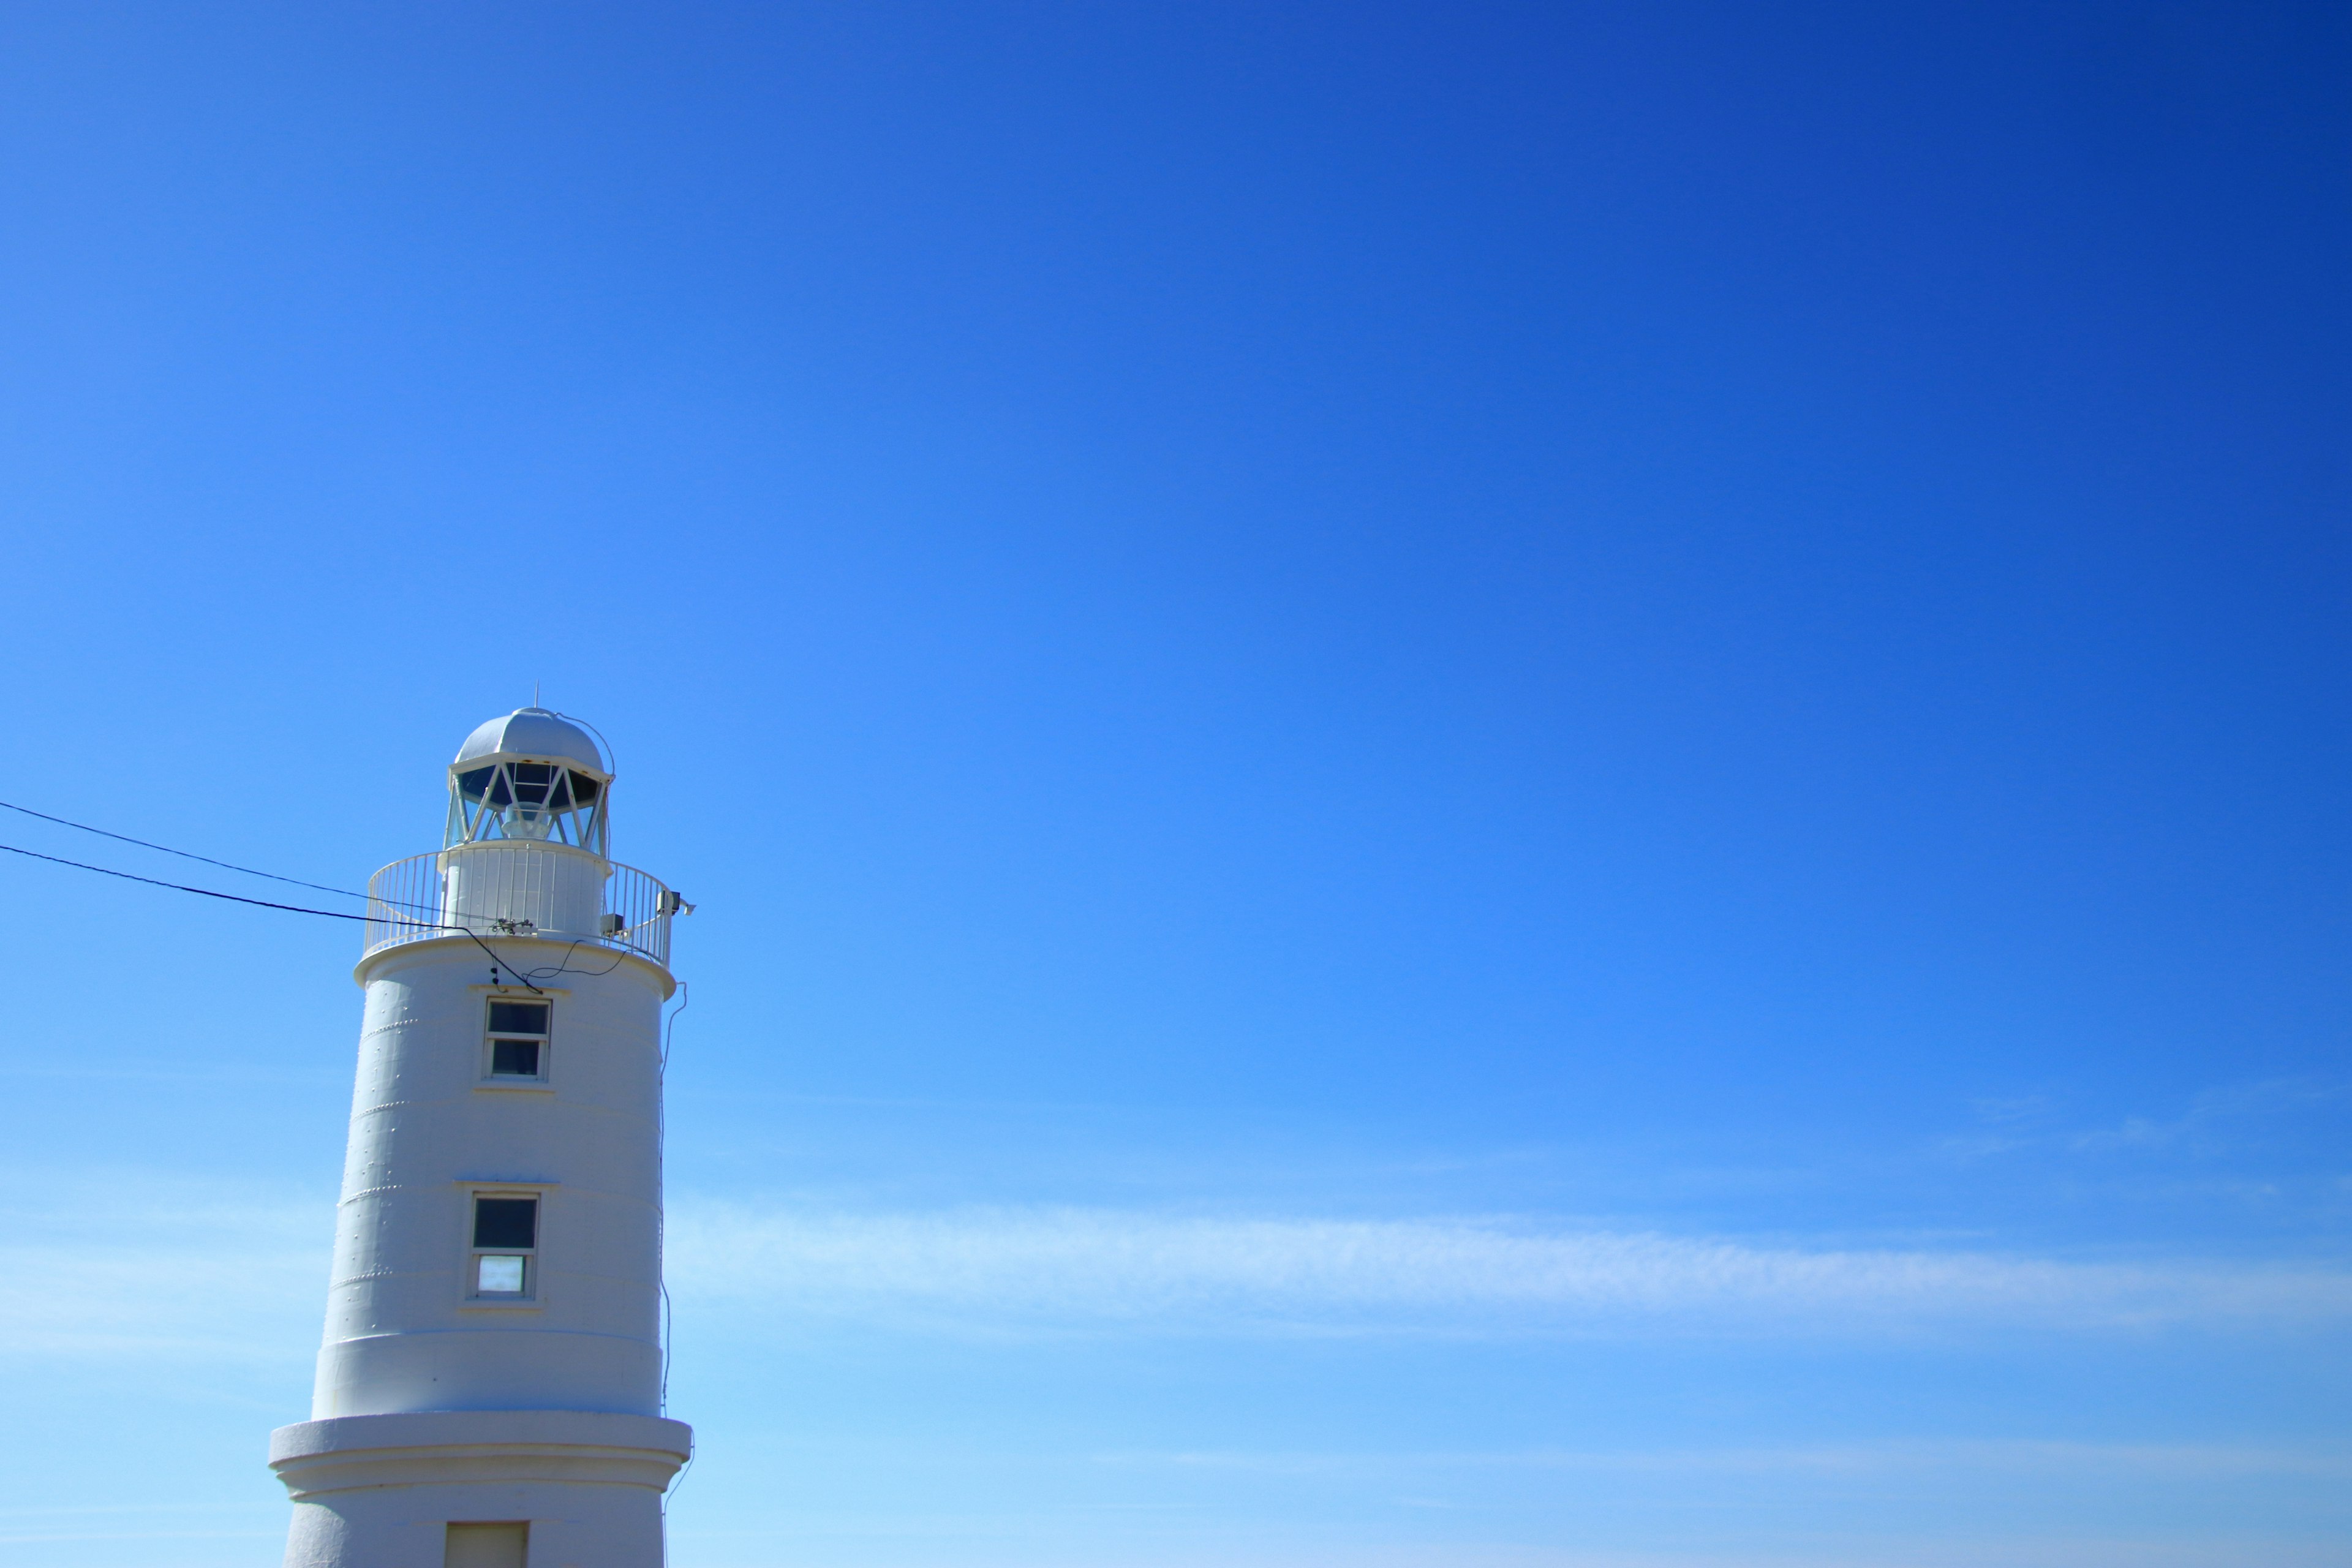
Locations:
(545, 800)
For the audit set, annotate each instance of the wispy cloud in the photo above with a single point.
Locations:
(123, 1265)
(143, 1266)
(1080, 1269)
(2218, 1117)
(2164, 1461)
(2228, 1117)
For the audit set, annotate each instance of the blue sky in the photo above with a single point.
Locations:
(1514, 786)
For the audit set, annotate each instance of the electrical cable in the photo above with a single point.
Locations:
(606, 759)
(230, 864)
(612, 763)
(661, 1151)
(661, 1229)
(669, 1028)
(408, 920)
(185, 855)
(564, 967)
(496, 962)
(183, 888)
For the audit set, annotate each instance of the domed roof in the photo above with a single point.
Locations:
(534, 733)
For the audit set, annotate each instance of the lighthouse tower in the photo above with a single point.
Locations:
(489, 1394)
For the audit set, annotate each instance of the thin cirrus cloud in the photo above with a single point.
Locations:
(1885, 1459)
(213, 1277)
(111, 1271)
(1094, 1269)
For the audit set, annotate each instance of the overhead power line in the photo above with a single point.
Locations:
(183, 888)
(405, 916)
(185, 855)
(410, 920)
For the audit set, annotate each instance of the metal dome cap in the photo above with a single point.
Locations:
(536, 732)
(533, 774)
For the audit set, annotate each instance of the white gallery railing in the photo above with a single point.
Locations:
(513, 888)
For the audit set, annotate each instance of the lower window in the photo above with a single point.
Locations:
(486, 1546)
(506, 1245)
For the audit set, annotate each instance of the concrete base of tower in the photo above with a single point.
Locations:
(479, 1489)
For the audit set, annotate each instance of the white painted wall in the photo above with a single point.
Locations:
(558, 888)
(381, 1491)
(403, 1333)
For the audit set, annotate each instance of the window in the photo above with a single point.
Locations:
(518, 1039)
(486, 1546)
(506, 1244)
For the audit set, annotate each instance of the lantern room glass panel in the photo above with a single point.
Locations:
(541, 802)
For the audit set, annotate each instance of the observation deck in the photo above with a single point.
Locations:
(520, 887)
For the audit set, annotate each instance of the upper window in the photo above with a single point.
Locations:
(518, 1038)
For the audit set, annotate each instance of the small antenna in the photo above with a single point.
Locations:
(534, 693)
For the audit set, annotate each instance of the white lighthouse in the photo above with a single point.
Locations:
(489, 1394)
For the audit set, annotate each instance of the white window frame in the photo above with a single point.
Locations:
(533, 1292)
(489, 1077)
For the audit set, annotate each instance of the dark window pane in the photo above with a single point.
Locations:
(515, 1058)
(583, 788)
(518, 1017)
(506, 1222)
(471, 784)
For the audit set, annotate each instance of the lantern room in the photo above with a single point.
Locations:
(531, 776)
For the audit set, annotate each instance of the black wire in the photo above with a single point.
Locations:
(661, 1217)
(564, 967)
(225, 865)
(612, 764)
(207, 893)
(496, 963)
(185, 855)
(662, 1286)
(669, 1025)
